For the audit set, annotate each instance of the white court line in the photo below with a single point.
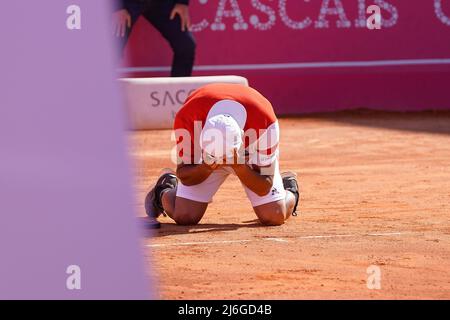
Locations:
(195, 243)
(153, 153)
(276, 239)
(300, 65)
(388, 234)
(330, 236)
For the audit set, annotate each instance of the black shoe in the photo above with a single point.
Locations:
(153, 205)
(290, 183)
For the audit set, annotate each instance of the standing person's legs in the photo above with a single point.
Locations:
(182, 42)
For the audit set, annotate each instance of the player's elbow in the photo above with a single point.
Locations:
(187, 180)
(264, 189)
(184, 177)
(262, 192)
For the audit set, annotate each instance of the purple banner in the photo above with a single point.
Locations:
(67, 227)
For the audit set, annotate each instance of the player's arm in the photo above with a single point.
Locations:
(257, 179)
(192, 174)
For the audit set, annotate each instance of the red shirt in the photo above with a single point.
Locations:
(261, 119)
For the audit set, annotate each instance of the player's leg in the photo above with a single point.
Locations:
(275, 213)
(280, 203)
(189, 203)
(187, 212)
(182, 42)
(186, 205)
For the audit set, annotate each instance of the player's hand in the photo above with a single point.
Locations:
(238, 161)
(209, 162)
(212, 166)
(121, 21)
(183, 11)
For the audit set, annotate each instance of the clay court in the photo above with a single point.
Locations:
(375, 191)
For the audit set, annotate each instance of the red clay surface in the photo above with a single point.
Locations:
(375, 191)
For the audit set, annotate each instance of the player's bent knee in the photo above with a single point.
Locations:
(187, 220)
(272, 221)
(188, 212)
(188, 217)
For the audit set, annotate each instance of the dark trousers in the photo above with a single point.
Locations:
(182, 43)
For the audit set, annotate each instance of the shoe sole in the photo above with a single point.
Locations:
(150, 209)
(289, 174)
(150, 192)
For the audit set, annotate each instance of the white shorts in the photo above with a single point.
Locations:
(205, 191)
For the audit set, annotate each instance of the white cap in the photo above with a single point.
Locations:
(223, 129)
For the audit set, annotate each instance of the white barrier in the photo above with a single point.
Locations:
(153, 102)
